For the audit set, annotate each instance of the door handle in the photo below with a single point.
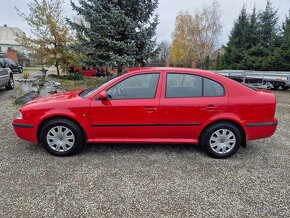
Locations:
(150, 109)
(211, 107)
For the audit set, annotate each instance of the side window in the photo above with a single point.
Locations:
(180, 85)
(141, 86)
(212, 88)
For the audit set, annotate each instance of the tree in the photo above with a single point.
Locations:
(50, 34)
(164, 51)
(116, 32)
(238, 42)
(253, 40)
(195, 36)
(280, 59)
(207, 63)
(218, 64)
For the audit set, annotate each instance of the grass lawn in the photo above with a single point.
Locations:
(87, 82)
(31, 69)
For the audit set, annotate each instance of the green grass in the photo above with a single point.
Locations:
(31, 69)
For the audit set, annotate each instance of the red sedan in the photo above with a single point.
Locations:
(152, 105)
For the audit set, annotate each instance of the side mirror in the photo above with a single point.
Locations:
(103, 96)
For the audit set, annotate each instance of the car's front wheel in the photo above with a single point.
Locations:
(10, 84)
(221, 140)
(62, 137)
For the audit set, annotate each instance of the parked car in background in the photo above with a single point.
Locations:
(152, 105)
(13, 65)
(6, 76)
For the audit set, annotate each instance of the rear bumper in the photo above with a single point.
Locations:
(25, 131)
(261, 130)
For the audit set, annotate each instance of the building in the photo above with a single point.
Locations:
(213, 57)
(9, 47)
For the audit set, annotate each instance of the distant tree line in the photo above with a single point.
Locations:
(257, 42)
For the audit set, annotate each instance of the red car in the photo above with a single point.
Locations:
(152, 105)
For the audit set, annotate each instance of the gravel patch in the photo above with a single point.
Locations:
(113, 180)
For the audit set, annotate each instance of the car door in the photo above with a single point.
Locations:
(4, 74)
(187, 101)
(131, 110)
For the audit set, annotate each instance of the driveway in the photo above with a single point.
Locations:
(145, 180)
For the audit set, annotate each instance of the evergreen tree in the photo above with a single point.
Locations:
(218, 63)
(268, 31)
(253, 40)
(207, 63)
(280, 60)
(238, 42)
(116, 31)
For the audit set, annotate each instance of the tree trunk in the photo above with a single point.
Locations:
(57, 68)
(120, 68)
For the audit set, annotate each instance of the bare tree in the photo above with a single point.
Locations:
(195, 36)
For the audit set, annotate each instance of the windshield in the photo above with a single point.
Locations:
(86, 93)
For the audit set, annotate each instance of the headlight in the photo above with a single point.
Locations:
(19, 116)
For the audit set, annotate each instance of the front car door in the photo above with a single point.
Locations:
(187, 101)
(131, 110)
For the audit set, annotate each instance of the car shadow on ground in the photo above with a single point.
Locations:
(131, 148)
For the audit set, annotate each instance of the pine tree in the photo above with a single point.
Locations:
(218, 64)
(253, 40)
(116, 32)
(268, 31)
(280, 59)
(238, 42)
(207, 63)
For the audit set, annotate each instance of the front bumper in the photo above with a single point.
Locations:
(24, 130)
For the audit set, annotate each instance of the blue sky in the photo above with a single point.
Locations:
(167, 10)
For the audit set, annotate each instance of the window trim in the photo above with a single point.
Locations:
(202, 83)
(133, 76)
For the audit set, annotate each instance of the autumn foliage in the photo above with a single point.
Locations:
(195, 36)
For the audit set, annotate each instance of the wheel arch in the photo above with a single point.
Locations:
(235, 123)
(46, 120)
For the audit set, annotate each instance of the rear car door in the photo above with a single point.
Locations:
(131, 110)
(187, 101)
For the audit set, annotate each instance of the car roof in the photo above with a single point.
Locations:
(177, 70)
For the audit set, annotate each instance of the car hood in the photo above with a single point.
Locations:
(56, 97)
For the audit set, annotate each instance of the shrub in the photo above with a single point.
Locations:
(74, 76)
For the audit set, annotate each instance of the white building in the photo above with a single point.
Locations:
(8, 39)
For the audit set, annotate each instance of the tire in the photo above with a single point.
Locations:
(10, 85)
(68, 142)
(285, 87)
(221, 140)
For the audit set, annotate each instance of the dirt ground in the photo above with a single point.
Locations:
(145, 180)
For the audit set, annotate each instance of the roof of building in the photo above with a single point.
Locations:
(215, 54)
(7, 35)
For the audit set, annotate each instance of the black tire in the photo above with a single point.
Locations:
(209, 132)
(10, 85)
(285, 87)
(78, 141)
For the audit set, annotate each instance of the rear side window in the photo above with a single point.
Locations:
(179, 85)
(212, 88)
(183, 85)
(142, 86)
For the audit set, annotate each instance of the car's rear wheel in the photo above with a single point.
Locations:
(10, 84)
(221, 140)
(285, 87)
(62, 137)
